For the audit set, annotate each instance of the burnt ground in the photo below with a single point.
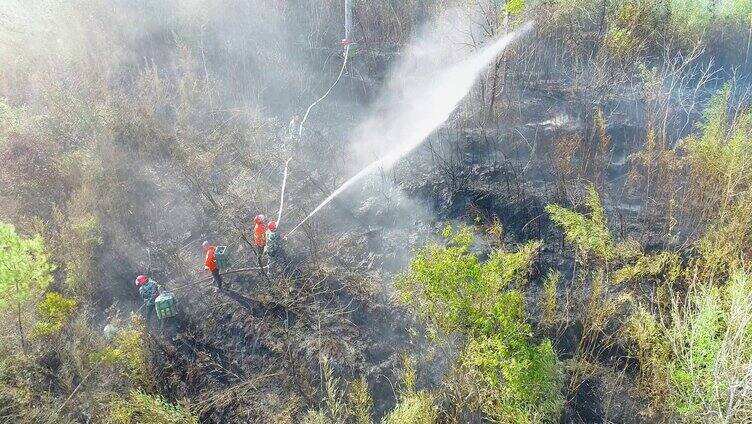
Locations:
(253, 353)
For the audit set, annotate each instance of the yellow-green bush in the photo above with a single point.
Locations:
(696, 363)
(360, 402)
(720, 157)
(588, 234)
(550, 289)
(54, 312)
(651, 349)
(140, 407)
(414, 408)
(620, 42)
(648, 266)
(129, 352)
(514, 7)
(453, 290)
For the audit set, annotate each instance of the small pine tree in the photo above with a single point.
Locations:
(24, 272)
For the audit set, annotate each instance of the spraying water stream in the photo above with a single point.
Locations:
(429, 106)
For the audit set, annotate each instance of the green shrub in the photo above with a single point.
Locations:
(620, 42)
(24, 272)
(711, 347)
(697, 363)
(514, 7)
(648, 266)
(550, 288)
(315, 417)
(452, 289)
(414, 408)
(720, 157)
(55, 310)
(360, 402)
(696, 337)
(690, 19)
(129, 352)
(589, 235)
(140, 407)
(651, 349)
(737, 12)
(720, 165)
(334, 410)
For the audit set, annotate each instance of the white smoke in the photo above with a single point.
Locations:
(424, 90)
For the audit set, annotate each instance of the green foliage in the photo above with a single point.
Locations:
(495, 233)
(409, 375)
(79, 272)
(652, 351)
(24, 270)
(335, 410)
(690, 19)
(550, 288)
(698, 360)
(589, 235)
(721, 157)
(648, 266)
(720, 164)
(315, 417)
(697, 339)
(140, 407)
(514, 7)
(415, 408)
(620, 42)
(129, 352)
(711, 342)
(524, 379)
(55, 310)
(736, 12)
(360, 402)
(453, 289)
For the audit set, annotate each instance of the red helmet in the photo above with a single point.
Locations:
(141, 280)
(259, 219)
(272, 226)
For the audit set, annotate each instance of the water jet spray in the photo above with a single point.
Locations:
(446, 89)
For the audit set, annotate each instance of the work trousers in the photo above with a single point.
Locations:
(148, 313)
(217, 278)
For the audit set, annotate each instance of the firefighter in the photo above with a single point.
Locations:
(273, 242)
(259, 236)
(149, 290)
(210, 263)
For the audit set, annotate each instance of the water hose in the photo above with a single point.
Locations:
(208, 279)
(282, 196)
(341, 71)
(308, 111)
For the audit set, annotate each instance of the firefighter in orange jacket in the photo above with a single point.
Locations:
(259, 236)
(210, 263)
